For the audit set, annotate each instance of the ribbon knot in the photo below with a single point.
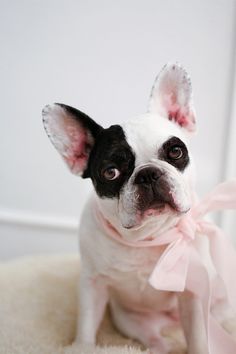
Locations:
(187, 226)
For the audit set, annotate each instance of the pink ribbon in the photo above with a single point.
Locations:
(181, 267)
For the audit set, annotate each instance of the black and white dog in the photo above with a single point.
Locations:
(143, 177)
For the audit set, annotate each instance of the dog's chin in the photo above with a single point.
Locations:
(151, 215)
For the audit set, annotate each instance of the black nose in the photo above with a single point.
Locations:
(147, 176)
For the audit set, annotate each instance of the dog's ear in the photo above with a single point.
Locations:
(171, 96)
(72, 133)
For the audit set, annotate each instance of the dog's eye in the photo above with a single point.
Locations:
(175, 153)
(111, 173)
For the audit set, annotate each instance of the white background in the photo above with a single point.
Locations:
(101, 57)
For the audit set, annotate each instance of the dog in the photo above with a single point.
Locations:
(143, 176)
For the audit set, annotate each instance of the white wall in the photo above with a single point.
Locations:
(101, 57)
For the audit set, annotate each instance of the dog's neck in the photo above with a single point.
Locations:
(151, 227)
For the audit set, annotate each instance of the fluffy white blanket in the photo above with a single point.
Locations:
(38, 310)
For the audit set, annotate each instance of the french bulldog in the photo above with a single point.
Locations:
(143, 177)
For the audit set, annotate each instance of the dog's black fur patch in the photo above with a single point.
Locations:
(111, 149)
(163, 153)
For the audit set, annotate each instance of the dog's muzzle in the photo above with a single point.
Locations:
(153, 189)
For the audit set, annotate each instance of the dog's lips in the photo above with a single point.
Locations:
(157, 207)
(167, 208)
(150, 213)
(153, 212)
(142, 216)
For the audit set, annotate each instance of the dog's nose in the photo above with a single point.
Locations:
(148, 175)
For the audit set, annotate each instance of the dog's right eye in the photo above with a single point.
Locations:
(175, 152)
(111, 173)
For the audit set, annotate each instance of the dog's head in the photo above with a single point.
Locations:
(142, 169)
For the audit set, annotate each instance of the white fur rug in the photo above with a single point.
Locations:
(38, 310)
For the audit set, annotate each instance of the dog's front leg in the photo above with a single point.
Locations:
(192, 319)
(93, 297)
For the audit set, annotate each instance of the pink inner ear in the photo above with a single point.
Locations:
(179, 117)
(78, 151)
(69, 136)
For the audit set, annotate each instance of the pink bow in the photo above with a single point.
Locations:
(181, 266)
(171, 269)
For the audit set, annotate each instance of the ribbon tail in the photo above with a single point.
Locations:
(222, 197)
(198, 283)
(170, 271)
(223, 287)
(218, 340)
(223, 256)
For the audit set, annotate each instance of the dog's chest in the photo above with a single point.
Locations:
(126, 271)
(128, 280)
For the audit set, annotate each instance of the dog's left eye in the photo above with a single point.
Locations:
(175, 153)
(111, 173)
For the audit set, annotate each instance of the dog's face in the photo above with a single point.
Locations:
(141, 169)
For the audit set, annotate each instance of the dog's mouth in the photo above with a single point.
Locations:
(154, 210)
(156, 198)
